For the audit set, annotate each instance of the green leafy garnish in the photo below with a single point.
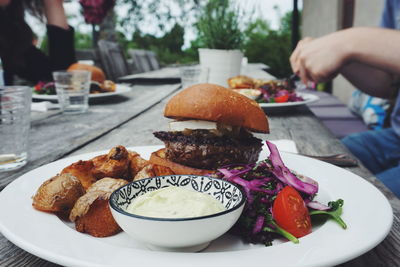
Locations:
(272, 226)
(334, 212)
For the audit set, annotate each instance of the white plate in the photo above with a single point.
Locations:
(119, 89)
(46, 236)
(308, 98)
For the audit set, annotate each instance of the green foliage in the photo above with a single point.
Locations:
(260, 44)
(168, 47)
(258, 41)
(44, 46)
(272, 47)
(173, 40)
(159, 13)
(83, 41)
(218, 26)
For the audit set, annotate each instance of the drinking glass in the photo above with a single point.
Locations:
(15, 108)
(191, 75)
(72, 89)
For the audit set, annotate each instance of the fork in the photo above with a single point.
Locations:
(342, 160)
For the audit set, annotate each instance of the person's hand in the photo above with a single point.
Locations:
(55, 14)
(295, 63)
(320, 59)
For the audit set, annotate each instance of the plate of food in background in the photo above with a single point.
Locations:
(99, 86)
(272, 93)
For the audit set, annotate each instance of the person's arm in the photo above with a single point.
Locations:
(60, 35)
(373, 81)
(375, 47)
(55, 13)
(346, 51)
(37, 65)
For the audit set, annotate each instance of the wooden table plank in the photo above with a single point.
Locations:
(172, 74)
(165, 75)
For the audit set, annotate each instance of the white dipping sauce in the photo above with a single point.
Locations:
(175, 202)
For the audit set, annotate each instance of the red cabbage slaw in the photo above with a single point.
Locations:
(261, 183)
(267, 97)
(279, 91)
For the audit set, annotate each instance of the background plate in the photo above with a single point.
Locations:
(120, 89)
(308, 98)
(48, 237)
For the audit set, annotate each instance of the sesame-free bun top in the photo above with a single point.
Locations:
(97, 74)
(211, 102)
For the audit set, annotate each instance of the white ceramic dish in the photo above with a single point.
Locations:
(308, 98)
(119, 90)
(178, 234)
(48, 237)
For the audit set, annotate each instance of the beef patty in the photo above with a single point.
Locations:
(203, 149)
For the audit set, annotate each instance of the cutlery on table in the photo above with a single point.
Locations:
(342, 160)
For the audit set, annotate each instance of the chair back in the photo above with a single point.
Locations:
(143, 60)
(89, 54)
(113, 60)
(155, 65)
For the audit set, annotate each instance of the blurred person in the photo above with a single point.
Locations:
(18, 53)
(370, 59)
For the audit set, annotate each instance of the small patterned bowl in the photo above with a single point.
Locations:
(178, 234)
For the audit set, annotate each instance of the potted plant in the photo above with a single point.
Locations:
(219, 31)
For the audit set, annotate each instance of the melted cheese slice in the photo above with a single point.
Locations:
(192, 125)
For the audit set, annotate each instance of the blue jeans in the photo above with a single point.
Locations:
(379, 152)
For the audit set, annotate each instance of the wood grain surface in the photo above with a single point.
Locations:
(131, 120)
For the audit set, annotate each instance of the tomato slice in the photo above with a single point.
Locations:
(290, 212)
(281, 99)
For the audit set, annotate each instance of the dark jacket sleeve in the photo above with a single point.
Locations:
(61, 47)
(38, 66)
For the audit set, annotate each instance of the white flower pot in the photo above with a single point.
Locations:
(221, 64)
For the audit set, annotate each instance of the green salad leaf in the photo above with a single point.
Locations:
(334, 212)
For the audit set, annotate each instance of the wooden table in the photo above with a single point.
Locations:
(130, 120)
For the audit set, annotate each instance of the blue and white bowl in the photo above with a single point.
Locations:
(178, 234)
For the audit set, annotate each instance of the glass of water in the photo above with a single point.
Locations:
(15, 111)
(72, 89)
(191, 75)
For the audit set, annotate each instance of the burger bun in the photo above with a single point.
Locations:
(97, 74)
(211, 102)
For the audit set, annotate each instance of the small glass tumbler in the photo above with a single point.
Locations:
(191, 75)
(15, 120)
(72, 89)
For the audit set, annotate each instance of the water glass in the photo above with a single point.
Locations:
(72, 89)
(191, 75)
(15, 111)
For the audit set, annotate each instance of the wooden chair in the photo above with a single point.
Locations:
(89, 54)
(143, 60)
(134, 62)
(155, 65)
(113, 60)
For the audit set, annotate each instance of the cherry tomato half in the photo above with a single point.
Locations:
(290, 212)
(281, 99)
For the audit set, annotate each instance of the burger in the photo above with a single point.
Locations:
(97, 73)
(211, 128)
(98, 84)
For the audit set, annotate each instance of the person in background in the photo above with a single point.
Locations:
(19, 55)
(370, 59)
